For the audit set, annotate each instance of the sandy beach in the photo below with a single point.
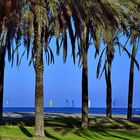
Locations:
(31, 115)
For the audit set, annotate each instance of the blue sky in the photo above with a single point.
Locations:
(63, 81)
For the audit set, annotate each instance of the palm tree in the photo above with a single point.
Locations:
(39, 69)
(2, 61)
(7, 30)
(109, 55)
(132, 36)
(36, 25)
(41, 18)
(131, 29)
(131, 81)
(84, 42)
(68, 11)
(108, 85)
(2, 54)
(135, 34)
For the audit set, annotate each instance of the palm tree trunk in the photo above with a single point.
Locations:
(109, 93)
(2, 64)
(2, 61)
(39, 97)
(131, 82)
(85, 92)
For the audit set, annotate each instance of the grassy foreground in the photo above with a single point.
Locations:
(69, 129)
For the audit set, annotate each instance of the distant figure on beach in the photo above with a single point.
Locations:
(51, 103)
(114, 102)
(7, 102)
(72, 103)
(67, 103)
(89, 104)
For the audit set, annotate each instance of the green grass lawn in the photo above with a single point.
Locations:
(69, 129)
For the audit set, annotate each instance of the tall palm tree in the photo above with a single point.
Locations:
(39, 69)
(84, 42)
(135, 34)
(109, 55)
(131, 29)
(81, 33)
(131, 81)
(7, 30)
(41, 20)
(35, 23)
(2, 61)
(134, 37)
(3, 17)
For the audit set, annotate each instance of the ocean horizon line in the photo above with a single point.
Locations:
(72, 110)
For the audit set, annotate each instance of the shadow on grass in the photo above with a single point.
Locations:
(105, 133)
(86, 134)
(100, 134)
(130, 133)
(98, 127)
(50, 136)
(63, 122)
(89, 133)
(129, 125)
(27, 122)
(25, 131)
(114, 123)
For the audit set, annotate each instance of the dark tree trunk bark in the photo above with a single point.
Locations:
(131, 82)
(109, 94)
(85, 92)
(39, 96)
(2, 64)
(85, 46)
(2, 61)
(110, 55)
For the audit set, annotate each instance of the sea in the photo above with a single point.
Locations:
(72, 110)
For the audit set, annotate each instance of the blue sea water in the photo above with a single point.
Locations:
(68, 110)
